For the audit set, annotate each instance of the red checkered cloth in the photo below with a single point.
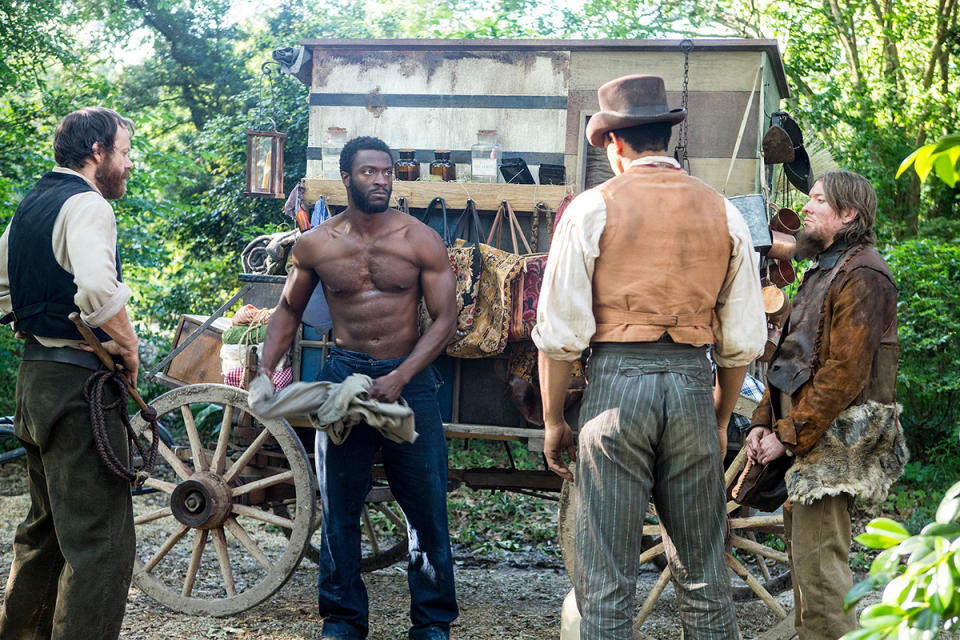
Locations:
(281, 378)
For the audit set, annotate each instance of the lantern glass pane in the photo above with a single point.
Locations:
(263, 164)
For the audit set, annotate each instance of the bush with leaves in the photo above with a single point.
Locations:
(920, 598)
(928, 276)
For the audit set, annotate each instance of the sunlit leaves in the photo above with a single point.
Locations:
(919, 597)
(941, 157)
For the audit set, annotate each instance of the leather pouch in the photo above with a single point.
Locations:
(762, 485)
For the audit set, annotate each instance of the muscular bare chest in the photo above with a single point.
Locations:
(382, 265)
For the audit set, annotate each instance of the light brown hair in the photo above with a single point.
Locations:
(848, 190)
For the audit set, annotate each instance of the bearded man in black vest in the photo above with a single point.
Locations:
(73, 553)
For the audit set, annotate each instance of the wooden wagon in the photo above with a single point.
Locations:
(250, 492)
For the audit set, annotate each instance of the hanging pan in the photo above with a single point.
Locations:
(799, 172)
(781, 139)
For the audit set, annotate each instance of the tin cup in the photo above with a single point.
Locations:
(781, 272)
(786, 221)
(782, 247)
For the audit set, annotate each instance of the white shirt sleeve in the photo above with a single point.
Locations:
(742, 331)
(6, 304)
(85, 244)
(565, 320)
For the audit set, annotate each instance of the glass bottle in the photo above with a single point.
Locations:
(441, 168)
(330, 150)
(407, 167)
(485, 157)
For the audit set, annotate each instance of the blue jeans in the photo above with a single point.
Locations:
(417, 474)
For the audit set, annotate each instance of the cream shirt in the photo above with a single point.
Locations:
(84, 244)
(565, 322)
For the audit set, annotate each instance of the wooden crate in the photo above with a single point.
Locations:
(200, 361)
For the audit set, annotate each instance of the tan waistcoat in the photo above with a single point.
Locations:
(663, 258)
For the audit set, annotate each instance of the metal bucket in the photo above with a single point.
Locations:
(753, 208)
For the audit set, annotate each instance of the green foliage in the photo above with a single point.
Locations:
(941, 157)
(921, 597)
(928, 276)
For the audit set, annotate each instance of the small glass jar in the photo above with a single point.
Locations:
(407, 167)
(441, 168)
(485, 157)
(330, 150)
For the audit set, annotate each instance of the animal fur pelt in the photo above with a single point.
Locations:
(862, 453)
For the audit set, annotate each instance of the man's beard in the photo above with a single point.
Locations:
(361, 202)
(809, 245)
(112, 182)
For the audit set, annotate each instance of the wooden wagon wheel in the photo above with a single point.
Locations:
(205, 545)
(383, 531)
(749, 559)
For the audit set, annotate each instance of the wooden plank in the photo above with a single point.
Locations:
(520, 130)
(419, 194)
(398, 71)
(492, 430)
(713, 171)
(709, 71)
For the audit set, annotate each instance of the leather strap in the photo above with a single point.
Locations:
(607, 316)
(64, 355)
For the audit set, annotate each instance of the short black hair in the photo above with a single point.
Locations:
(361, 143)
(78, 131)
(647, 137)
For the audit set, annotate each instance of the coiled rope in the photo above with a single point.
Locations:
(93, 392)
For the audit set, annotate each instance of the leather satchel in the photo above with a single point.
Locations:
(762, 486)
(526, 287)
(464, 260)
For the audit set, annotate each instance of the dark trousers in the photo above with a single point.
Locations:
(417, 474)
(73, 554)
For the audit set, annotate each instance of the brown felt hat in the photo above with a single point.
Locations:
(630, 101)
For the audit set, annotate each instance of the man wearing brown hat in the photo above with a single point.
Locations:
(648, 270)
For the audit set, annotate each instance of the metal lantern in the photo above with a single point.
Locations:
(265, 163)
(265, 150)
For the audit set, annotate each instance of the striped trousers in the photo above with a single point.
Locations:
(648, 428)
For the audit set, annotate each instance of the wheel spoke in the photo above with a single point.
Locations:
(374, 544)
(244, 538)
(220, 544)
(171, 458)
(755, 586)
(758, 549)
(755, 522)
(730, 475)
(220, 455)
(263, 516)
(251, 451)
(651, 553)
(160, 485)
(263, 483)
(390, 515)
(196, 447)
(652, 597)
(166, 546)
(153, 515)
(199, 542)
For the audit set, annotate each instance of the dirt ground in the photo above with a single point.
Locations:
(512, 596)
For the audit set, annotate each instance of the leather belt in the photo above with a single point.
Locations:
(64, 355)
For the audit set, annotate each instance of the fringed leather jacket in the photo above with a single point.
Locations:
(838, 349)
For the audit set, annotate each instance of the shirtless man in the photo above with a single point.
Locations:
(375, 263)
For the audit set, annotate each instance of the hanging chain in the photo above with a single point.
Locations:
(264, 79)
(680, 153)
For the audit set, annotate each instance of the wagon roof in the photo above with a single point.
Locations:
(770, 47)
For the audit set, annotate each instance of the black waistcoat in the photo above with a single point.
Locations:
(42, 291)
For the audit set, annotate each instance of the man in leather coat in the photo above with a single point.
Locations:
(830, 399)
